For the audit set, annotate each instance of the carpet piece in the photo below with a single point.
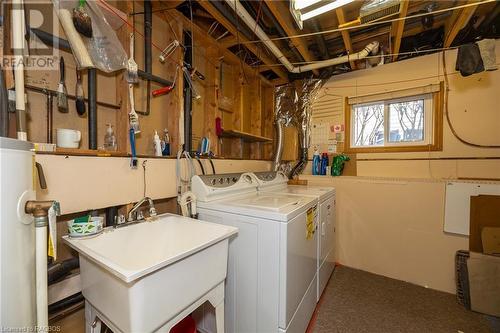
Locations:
(356, 302)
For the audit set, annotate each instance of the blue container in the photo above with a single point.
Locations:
(316, 163)
(324, 164)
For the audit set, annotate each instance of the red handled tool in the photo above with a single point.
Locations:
(163, 91)
(167, 89)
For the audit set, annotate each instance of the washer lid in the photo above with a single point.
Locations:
(269, 202)
(313, 191)
(264, 205)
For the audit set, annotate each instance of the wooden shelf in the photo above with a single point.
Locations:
(247, 137)
(95, 153)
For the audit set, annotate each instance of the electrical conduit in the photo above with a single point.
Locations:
(249, 21)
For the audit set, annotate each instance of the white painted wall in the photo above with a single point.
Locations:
(82, 183)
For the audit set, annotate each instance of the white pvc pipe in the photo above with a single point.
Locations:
(42, 308)
(18, 33)
(250, 22)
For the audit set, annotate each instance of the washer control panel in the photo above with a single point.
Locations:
(225, 179)
(271, 177)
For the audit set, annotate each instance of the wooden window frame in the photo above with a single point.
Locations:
(437, 131)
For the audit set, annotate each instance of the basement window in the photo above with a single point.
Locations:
(408, 120)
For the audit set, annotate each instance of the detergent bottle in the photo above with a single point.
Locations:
(316, 163)
(324, 163)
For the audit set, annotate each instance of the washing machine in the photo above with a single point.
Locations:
(276, 182)
(271, 283)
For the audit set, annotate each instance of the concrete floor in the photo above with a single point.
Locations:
(356, 301)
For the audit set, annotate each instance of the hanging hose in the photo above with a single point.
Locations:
(210, 154)
(187, 202)
(446, 111)
(191, 170)
(200, 164)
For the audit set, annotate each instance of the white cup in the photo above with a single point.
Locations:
(68, 138)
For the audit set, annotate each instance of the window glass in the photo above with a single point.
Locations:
(368, 125)
(406, 121)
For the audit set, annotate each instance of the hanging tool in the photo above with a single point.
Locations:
(188, 77)
(132, 77)
(133, 160)
(131, 74)
(167, 89)
(169, 50)
(62, 92)
(133, 116)
(80, 99)
(82, 20)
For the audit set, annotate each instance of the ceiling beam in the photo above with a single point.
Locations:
(397, 30)
(457, 22)
(281, 12)
(229, 41)
(345, 35)
(233, 30)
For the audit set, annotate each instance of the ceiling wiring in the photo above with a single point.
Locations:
(329, 31)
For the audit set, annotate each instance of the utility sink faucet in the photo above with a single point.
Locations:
(134, 215)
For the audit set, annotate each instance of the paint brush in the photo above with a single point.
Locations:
(80, 99)
(82, 20)
(62, 92)
(131, 75)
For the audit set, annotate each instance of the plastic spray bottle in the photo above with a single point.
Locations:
(157, 144)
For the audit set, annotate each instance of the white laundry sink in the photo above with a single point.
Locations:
(141, 276)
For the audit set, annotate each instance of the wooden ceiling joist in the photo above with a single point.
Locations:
(234, 31)
(457, 22)
(397, 30)
(225, 52)
(282, 15)
(345, 35)
(227, 42)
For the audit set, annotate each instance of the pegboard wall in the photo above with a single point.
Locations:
(327, 123)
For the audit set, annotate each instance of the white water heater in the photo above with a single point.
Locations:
(17, 236)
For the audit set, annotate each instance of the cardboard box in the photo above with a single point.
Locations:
(490, 237)
(484, 213)
(484, 283)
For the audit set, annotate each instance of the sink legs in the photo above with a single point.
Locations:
(94, 318)
(219, 317)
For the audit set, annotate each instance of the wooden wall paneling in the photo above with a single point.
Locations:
(199, 105)
(211, 73)
(122, 121)
(267, 119)
(237, 144)
(165, 109)
(256, 97)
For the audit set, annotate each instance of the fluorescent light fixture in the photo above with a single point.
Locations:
(301, 4)
(323, 9)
